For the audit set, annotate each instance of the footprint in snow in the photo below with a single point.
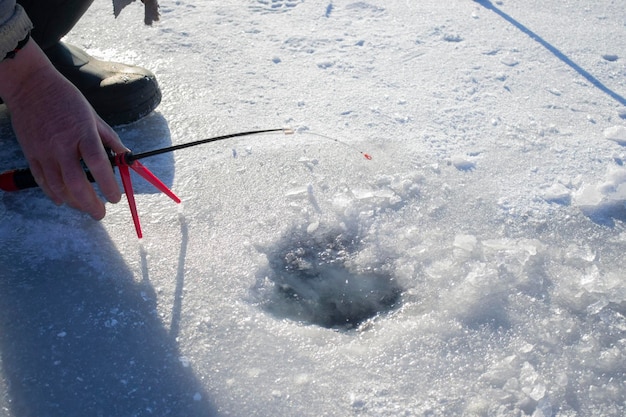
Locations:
(274, 6)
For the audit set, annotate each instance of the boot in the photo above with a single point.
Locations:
(119, 93)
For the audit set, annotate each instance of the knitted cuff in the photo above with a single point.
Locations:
(14, 31)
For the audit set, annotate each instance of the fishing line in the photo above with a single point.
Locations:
(365, 154)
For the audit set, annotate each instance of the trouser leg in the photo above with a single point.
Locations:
(53, 19)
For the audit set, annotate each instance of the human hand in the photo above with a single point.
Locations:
(56, 128)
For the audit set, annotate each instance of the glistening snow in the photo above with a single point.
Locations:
(477, 260)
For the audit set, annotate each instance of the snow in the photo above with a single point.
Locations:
(474, 266)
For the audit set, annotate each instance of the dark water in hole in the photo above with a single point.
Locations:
(313, 279)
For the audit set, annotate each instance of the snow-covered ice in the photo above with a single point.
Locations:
(475, 266)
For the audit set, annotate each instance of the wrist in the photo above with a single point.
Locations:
(21, 73)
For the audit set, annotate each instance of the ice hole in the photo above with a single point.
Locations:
(316, 279)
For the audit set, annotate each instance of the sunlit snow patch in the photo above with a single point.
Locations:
(313, 278)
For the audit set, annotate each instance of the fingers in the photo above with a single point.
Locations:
(82, 194)
(62, 177)
(97, 160)
(38, 174)
(79, 193)
(67, 183)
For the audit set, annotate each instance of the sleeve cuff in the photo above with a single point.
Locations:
(14, 30)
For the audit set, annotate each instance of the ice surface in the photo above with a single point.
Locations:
(473, 267)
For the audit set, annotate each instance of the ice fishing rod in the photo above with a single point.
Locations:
(21, 179)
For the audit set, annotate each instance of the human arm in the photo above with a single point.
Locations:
(56, 128)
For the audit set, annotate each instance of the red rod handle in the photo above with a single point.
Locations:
(17, 179)
(21, 179)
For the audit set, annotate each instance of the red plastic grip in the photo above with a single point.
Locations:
(7, 181)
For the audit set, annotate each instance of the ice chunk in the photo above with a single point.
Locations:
(363, 194)
(537, 392)
(596, 307)
(529, 380)
(584, 252)
(357, 401)
(312, 227)
(557, 193)
(184, 361)
(544, 408)
(500, 372)
(610, 286)
(296, 192)
(616, 134)
(463, 163)
(604, 198)
(465, 242)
